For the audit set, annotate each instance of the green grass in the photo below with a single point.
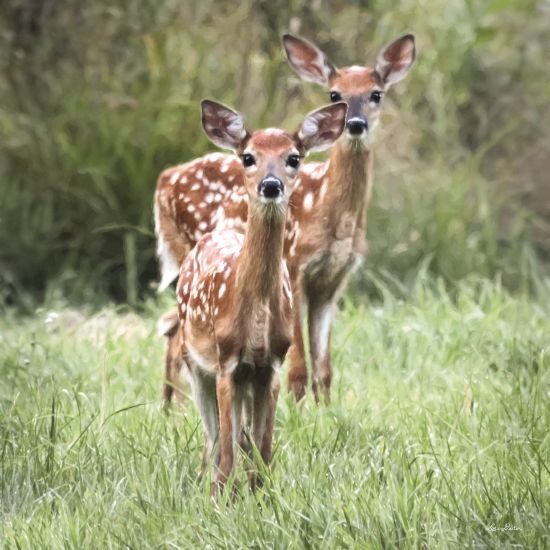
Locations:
(437, 437)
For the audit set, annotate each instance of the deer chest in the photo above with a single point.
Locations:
(326, 271)
(267, 337)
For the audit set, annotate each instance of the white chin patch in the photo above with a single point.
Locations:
(356, 140)
(276, 200)
(365, 138)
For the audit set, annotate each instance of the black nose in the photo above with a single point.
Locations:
(271, 187)
(356, 126)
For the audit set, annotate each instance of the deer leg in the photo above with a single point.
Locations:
(174, 362)
(320, 321)
(168, 385)
(265, 393)
(204, 392)
(297, 372)
(174, 366)
(225, 398)
(270, 420)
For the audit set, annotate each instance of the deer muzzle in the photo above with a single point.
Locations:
(271, 187)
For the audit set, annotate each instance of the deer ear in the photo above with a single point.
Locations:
(321, 128)
(395, 60)
(308, 60)
(224, 126)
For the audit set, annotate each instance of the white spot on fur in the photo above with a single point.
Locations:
(308, 202)
(214, 157)
(324, 188)
(320, 171)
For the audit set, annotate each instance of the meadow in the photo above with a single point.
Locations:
(437, 436)
(438, 432)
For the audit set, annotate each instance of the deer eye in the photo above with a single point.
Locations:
(335, 96)
(293, 161)
(376, 96)
(248, 160)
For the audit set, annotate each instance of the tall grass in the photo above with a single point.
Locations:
(96, 99)
(437, 436)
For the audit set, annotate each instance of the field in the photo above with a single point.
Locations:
(437, 437)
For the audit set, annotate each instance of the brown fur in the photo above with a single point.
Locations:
(333, 237)
(233, 293)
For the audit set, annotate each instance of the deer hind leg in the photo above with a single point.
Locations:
(167, 385)
(297, 373)
(174, 363)
(320, 321)
(175, 368)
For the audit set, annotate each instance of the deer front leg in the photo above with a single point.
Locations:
(225, 397)
(320, 321)
(203, 386)
(265, 395)
(297, 373)
(270, 420)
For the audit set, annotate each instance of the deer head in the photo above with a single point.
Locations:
(271, 157)
(361, 87)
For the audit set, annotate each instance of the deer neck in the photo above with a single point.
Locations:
(259, 280)
(349, 174)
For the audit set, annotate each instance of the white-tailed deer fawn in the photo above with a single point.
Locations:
(327, 221)
(338, 192)
(233, 293)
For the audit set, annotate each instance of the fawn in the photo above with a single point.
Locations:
(233, 293)
(327, 221)
(338, 191)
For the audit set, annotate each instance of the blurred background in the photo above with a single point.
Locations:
(96, 98)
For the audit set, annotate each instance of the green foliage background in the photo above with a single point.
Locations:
(97, 98)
